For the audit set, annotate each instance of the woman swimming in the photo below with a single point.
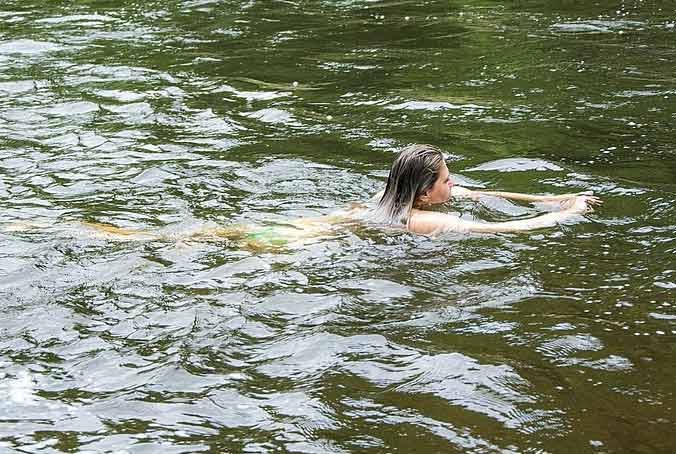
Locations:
(419, 178)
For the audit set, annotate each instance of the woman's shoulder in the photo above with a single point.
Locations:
(429, 222)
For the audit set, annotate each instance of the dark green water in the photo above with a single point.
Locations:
(169, 115)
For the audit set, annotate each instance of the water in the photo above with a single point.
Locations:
(172, 116)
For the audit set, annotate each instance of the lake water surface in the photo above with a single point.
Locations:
(173, 116)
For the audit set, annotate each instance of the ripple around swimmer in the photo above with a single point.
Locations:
(490, 390)
(485, 389)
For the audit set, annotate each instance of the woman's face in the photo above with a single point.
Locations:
(440, 192)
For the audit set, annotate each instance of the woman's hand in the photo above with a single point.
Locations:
(580, 203)
(464, 193)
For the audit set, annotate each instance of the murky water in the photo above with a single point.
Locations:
(174, 115)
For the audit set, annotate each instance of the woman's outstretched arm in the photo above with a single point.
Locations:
(461, 192)
(429, 222)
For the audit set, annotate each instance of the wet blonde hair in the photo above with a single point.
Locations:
(413, 173)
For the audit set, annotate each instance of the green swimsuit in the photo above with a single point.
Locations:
(267, 235)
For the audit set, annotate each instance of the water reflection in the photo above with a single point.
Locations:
(189, 115)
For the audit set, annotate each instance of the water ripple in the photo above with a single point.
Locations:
(131, 135)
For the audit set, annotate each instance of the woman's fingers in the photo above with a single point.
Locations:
(580, 203)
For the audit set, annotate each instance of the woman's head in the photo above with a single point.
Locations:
(418, 176)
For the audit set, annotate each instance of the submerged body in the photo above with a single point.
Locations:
(420, 221)
(418, 179)
(300, 232)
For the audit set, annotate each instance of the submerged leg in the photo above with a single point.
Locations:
(295, 234)
(111, 232)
